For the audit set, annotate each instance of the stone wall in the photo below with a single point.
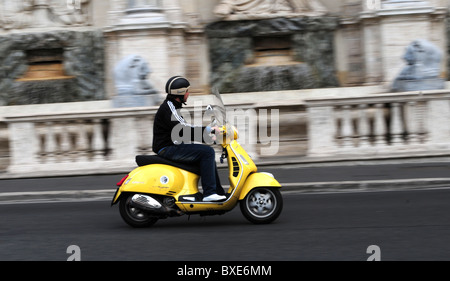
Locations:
(311, 65)
(82, 59)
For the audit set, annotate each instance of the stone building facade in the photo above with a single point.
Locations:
(72, 46)
(373, 36)
(55, 52)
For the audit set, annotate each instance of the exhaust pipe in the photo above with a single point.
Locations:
(145, 202)
(151, 205)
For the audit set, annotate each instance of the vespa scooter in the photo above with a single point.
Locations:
(160, 188)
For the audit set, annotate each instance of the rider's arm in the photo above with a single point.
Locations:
(183, 132)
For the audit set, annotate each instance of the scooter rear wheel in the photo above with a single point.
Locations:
(134, 216)
(262, 205)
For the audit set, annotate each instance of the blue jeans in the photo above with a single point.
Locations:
(201, 155)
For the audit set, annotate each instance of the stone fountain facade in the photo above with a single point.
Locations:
(272, 54)
(79, 55)
(49, 53)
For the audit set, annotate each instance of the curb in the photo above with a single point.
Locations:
(311, 187)
(368, 185)
(55, 196)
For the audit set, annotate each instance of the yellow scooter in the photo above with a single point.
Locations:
(160, 188)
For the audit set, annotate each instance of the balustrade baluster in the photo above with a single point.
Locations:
(50, 143)
(82, 142)
(347, 127)
(65, 142)
(40, 134)
(421, 113)
(363, 126)
(380, 125)
(412, 122)
(396, 124)
(98, 144)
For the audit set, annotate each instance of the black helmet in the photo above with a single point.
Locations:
(177, 86)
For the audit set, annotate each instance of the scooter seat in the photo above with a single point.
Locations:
(144, 160)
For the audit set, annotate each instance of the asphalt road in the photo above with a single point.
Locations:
(284, 174)
(405, 225)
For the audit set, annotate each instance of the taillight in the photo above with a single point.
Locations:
(122, 180)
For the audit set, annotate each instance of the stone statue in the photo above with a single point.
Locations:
(130, 77)
(261, 9)
(423, 68)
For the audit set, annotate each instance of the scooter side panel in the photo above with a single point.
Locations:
(257, 180)
(159, 179)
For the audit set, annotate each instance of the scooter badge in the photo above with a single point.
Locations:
(164, 180)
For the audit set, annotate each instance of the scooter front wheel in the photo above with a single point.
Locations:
(262, 205)
(134, 217)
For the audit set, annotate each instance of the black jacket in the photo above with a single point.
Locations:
(170, 128)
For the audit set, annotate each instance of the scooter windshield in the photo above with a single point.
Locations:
(219, 110)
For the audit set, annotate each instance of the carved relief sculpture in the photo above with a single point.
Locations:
(16, 14)
(42, 13)
(261, 9)
(75, 14)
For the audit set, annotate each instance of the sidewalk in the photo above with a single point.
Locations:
(295, 175)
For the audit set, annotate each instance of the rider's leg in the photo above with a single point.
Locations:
(198, 154)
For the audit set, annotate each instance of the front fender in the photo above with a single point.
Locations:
(258, 180)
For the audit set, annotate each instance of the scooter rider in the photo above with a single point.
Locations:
(173, 146)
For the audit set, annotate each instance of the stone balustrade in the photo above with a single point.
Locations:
(382, 124)
(354, 127)
(97, 141)
(105, 139)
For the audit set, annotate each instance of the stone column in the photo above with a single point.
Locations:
(153, 30)
(123, 139)
(24, 143)
(321, 131)
(438, 116)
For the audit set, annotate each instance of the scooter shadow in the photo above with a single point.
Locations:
(233, 218)
(230, 219)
